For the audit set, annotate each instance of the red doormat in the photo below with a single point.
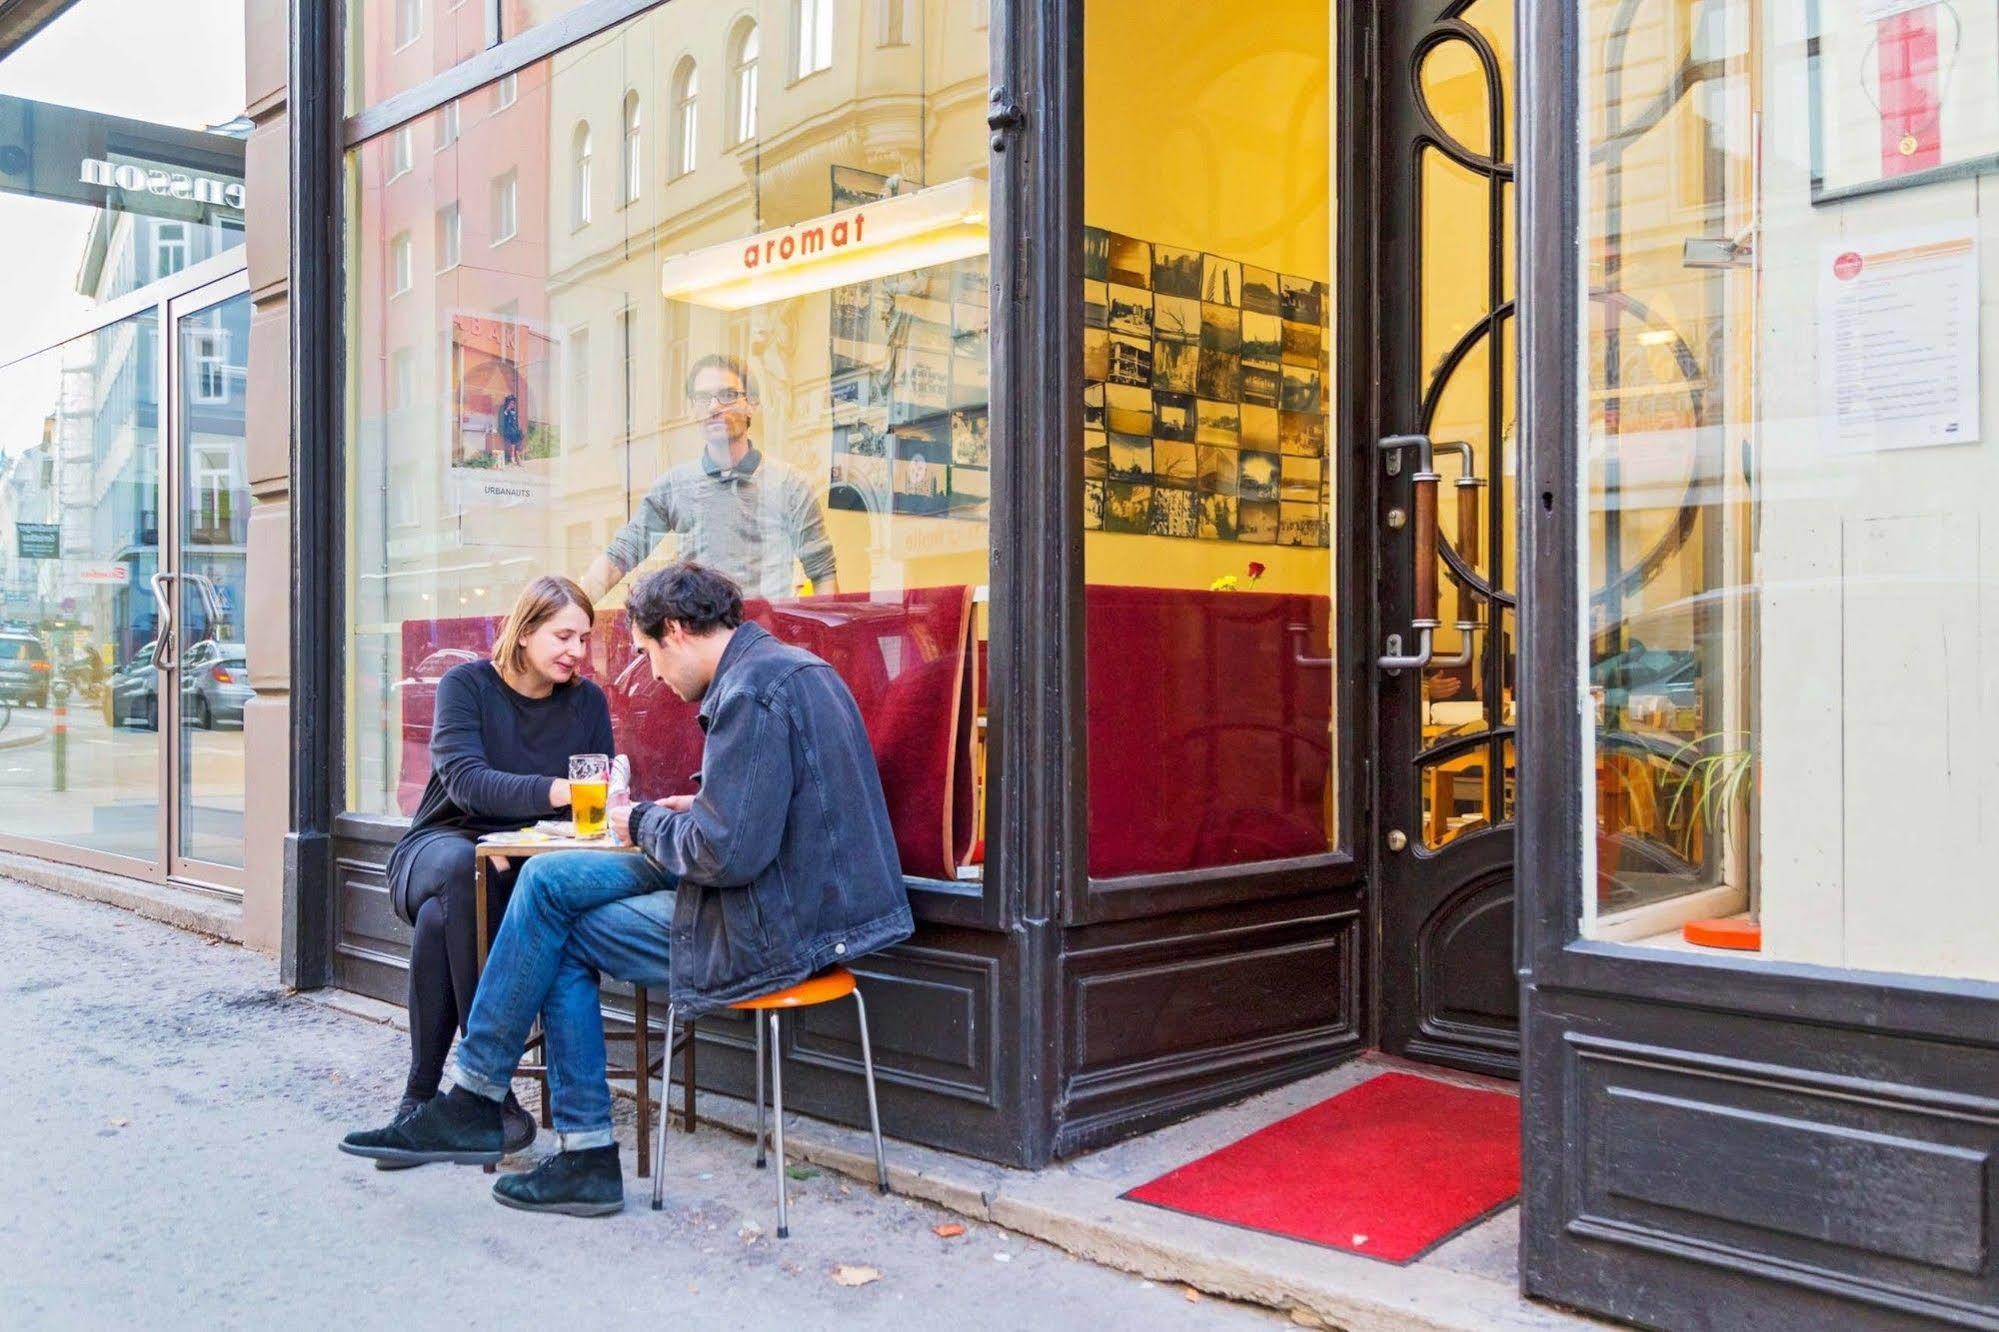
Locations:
(1390, 1169)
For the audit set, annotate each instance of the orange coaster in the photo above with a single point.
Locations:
(1744, 935)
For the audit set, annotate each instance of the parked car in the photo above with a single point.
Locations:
(134, 694)
(24, 669)
(214, 684)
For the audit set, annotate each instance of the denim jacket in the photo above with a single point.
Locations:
(786, 861)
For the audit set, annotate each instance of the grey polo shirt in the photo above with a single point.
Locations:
(753, 521)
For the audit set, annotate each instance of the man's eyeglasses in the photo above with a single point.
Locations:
(718, 398)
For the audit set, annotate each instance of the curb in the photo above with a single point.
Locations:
(182, 908)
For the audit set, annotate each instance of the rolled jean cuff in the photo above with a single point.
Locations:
(462, 1076)
(584, 1140)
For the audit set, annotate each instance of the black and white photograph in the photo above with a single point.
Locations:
(1259, 291)
(1215, 470)
(1096, 455)
(1218, 518)
(1260, 385)
(1127, 507)
(859, 484)
(970, 440)
(1129, 311)
(1300, 480)
(1300, 392)
(1301, 525)
(1130, 261)
(971, 382)
(1221, 328)
(920, 484)
(1093, 393)
(1302, 434)
(1176, 367)
(1093, 506)
(1301, 344)
(1221, 375)
(1127, 410)
(1173, 513)
(1301, 300)
(1258, 427)
(1096, 356)
(1257, 521)
(1262, 339)
(1173, 463)
(1176, 318)
(1176, 272)
(971, 491)
(1096, 253)
(1130, 361)
(1131, 458)
(1096, 303)
(1217, 422)
(1258, 476)
(1173, 416)
(922, 386)
(1221, 281)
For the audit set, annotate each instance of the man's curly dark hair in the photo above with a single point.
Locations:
(693, 596)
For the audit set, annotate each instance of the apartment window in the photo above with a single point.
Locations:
(634, 150)
(402, 377)
(214, 487)
(169, 248)
(401, 268)
(447, 237)
(679, 333)
(506, 206)
(891, 26)
(208, 365)
(579, 196)
(402, 152)
(743, 84)
(409, 22)
(628, 335)
(812, 36)
(686, 92)
(447, 125)
(506, 92)
(577, 433)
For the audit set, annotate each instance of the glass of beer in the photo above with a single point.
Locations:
(589, 792)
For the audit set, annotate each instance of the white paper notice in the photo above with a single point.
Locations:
(1898, 338)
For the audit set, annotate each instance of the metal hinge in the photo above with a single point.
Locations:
(1005, 116)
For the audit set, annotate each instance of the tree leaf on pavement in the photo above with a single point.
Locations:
(847, 1274)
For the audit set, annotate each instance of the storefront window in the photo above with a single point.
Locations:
(1791, 479)
(1207, 370)
(121, 158)
(818, 299)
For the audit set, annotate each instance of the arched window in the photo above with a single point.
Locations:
(579, 198)
(686, 102)
(743, 84)
(634, 163)
(811, 36)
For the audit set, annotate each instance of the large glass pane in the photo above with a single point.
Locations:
(214, 531)
(394, 45)
(1792, 475)
(79, 545)
(538, 381)
(121, 157)
(1207, 358)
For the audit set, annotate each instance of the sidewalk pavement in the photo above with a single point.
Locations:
(171, 1116)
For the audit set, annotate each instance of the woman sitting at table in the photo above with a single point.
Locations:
(500, 744)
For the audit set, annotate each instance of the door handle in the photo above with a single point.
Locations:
(1467, 485)
(1423, 488)
(165, 655)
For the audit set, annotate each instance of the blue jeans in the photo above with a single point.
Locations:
(575, 917)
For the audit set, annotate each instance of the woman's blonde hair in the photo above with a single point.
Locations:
(538, 602)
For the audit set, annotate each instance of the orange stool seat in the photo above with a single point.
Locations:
(833, 983)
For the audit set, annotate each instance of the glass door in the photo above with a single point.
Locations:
(202, 673)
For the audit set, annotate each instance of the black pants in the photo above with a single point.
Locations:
(444, 959)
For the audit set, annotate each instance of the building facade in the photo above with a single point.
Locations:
(1128, 351)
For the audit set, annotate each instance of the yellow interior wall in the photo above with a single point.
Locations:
(1208, 126)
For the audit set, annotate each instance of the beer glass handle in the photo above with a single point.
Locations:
(165, 653)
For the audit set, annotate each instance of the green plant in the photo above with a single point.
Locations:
(1716, 782)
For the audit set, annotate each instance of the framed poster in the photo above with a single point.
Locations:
(1902, 93)
(501, 422)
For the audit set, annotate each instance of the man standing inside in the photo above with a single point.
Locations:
(734, 508)
(781, 866)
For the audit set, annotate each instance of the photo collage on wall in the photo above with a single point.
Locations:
(909, 382)
(1204, 396)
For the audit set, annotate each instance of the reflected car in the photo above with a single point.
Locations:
(214, 684)
(134, 692)
(24, 670)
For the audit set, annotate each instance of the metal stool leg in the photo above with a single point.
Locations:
(642, 1074)
(874, 1113)
(758, 1023)
(659, 1149)
(777, 1120)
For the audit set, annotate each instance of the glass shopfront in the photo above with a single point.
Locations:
(124, 496)
(665, 251)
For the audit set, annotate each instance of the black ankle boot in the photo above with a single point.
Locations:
(410, 1105)
(458, 1126)
(583, 1183)
(518, 1123)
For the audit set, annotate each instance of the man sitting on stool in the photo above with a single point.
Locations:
(782, 865)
